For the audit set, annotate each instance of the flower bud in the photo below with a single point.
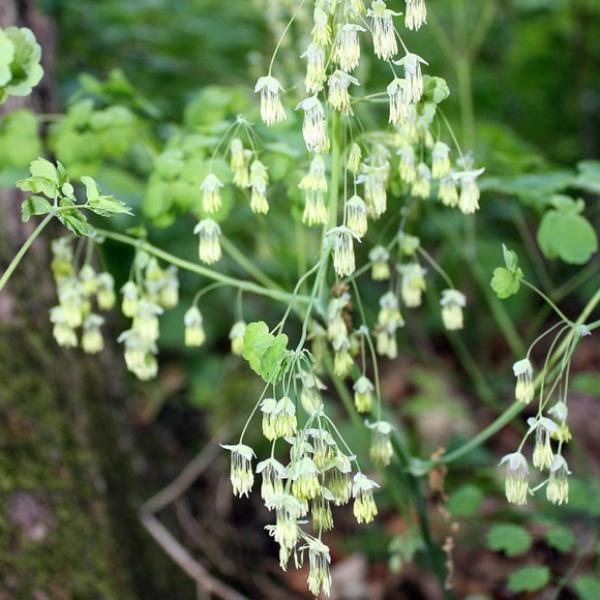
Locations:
(452, 303)
(380, 269)
(194, 330)
(91, 340)
(517, 473)
(382, 27)
(271, 109)
(211, 193)
(209, 249)
(363, 394)
(524, 389)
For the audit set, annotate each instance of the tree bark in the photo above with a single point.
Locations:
(68, 494)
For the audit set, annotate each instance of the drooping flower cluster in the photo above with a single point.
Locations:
(363, 167)
(332, 56)
(338, 332)
(389, 320)
(314, 185)
(544, 458)
(78, 289)
(145, 297)
(319, 473)
(548, 428)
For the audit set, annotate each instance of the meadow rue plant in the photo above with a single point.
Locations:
(413, 283)
(339, 95)
(549, 427)
(365, 509)
(413, 76)
(358, 185)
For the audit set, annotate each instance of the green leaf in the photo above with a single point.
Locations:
(91, 188)
(34, 205)
(40, 167)
(105, 206)
(435, 89)
(539, 186)
(44, 178)
(505, 283)
(7, 52)
(588, 587)
(588, 178)
(19, 139)
(529, 579)
(76, 222)
(512, 539)
(25, 68)
(465, 501)
(561, 538)
(511, 260)
(264, 351)
(568, 236)
(566, 203)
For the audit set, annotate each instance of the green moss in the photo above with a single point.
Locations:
(53, 530)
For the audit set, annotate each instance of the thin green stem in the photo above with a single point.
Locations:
(246, 286)
(14, 263)
(335, 171)
(532, 247)
(547, 299)
(367, 334)
(498, 309)
(435, 266)
(283, 34)
(205, 290)
(465, 93)
(516, 407)
(250, 268)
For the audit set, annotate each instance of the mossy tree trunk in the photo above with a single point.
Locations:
(68, 495)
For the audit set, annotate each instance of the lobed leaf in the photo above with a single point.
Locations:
(505, 283)
(34, 205)
(529, 579)
(264, 351)
(567, 235)
(509, 538)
